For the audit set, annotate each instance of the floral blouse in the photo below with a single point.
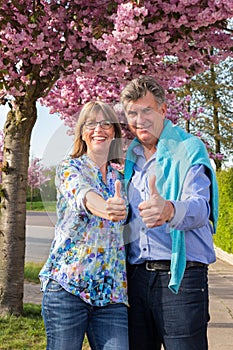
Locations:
(87, 255)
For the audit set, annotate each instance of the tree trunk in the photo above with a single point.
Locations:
(17, 130)
(216, 105)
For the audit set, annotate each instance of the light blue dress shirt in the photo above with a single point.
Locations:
(191, 216)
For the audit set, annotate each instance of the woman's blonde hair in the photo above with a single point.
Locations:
(89, 112)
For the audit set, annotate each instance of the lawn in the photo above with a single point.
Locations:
(41, 206)
(25, 332)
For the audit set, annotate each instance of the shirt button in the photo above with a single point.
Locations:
(144, 249)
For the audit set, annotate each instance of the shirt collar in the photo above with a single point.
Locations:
(138, 151)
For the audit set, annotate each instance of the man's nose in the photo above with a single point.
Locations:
(140, 118)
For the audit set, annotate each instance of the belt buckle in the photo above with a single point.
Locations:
(148, 268)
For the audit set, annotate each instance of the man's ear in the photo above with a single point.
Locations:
(163, 109)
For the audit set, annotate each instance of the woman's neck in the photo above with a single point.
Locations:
(101, 163)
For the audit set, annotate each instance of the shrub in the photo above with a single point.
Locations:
(224, 236)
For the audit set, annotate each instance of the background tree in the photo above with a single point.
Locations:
(48, 189)
(209, 109)
(37, 176)
(80, 50)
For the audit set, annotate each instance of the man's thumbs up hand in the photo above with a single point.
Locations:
(156, 210)
(115, 206)
(152, 187)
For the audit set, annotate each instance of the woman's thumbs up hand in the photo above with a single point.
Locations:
(115, 206)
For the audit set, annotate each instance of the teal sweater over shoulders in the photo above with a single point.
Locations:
(177, 151)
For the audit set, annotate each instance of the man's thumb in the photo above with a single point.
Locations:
(152, 186)
(117, 189)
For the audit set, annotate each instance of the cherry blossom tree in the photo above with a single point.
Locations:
(69, 51)
(37, 176)
(39, 42)
(172, 40)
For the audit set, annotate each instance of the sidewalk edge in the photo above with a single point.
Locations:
(220, 254)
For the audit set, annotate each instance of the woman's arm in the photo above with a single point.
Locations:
(112, 209)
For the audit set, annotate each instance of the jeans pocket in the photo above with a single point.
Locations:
(53, 286)
(194, 281)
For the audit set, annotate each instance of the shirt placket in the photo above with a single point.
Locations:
(144, 243)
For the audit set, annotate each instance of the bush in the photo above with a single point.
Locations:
(224, 236)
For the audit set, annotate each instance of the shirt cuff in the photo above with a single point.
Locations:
(82, 194)
(180, 209)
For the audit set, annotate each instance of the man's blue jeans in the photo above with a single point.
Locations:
(67, 318)
(158, 316)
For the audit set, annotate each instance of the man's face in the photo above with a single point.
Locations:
(146, 118)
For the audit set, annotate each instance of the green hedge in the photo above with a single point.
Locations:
(224, 236)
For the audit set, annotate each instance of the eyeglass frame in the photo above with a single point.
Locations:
(101, 123)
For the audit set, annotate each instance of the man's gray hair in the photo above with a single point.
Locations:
(139, 87)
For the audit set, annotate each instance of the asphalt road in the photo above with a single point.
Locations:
(39, 235)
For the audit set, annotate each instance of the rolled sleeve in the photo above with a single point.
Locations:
(192, 210)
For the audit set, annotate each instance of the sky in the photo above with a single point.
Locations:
(49, 141)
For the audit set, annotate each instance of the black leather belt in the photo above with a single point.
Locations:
(164, 265)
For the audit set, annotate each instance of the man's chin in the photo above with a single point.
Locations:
(143, 133)
(146, 138)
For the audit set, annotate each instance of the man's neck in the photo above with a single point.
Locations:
(149, 151)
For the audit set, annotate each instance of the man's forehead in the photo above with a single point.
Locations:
(137, 106)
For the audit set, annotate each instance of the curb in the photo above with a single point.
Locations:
(222, 255)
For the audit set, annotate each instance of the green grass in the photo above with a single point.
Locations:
(31, 271)
(25, 332)
(41, 206)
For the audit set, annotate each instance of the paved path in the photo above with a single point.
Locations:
(220, 330)
(221, 306)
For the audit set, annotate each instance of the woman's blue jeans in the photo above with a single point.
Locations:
(67, 319)
(158, 316)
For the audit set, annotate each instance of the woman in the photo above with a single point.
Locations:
(84, 278)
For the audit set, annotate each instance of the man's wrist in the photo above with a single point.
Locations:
(171, 211)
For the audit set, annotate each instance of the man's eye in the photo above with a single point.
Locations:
(132, 115)
(146, 110)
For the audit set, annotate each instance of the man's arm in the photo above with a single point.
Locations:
(190, 212)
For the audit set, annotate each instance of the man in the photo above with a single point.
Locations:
(172, 193)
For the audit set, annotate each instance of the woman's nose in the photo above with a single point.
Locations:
(98, 126)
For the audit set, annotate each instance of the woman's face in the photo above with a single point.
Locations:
(98, 134)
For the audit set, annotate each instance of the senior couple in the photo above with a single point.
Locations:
(128, 266)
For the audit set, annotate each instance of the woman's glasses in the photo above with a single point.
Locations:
(104, 124)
